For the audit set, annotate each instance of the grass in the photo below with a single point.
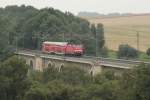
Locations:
(112, 54)
(142, 56)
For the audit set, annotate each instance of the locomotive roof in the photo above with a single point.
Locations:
(56, 43)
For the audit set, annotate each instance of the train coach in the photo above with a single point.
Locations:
(62, 48)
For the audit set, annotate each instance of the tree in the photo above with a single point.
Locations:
(93, 30)
(36, 92)
(70, 75)
(6, 49)
(104, 52)
(126, 51)
(105, 91)
(50, 73)
(135, 84)
(148, 52)
(74, 76)
(100, 38)
(13, 79)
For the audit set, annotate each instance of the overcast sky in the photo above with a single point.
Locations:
(75, 6)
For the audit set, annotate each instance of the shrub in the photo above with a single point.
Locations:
(104, 52)
(126, 51)
(148, 52)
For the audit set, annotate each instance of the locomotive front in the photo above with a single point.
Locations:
(78, 50)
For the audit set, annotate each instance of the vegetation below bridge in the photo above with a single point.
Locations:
(19, 82)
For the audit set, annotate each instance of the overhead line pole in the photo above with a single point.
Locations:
(138, 40)
(63, 37)
(65, 47)
(16, 44)
(96, 45)
(137, 36)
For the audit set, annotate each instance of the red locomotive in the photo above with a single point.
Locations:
(62, 48)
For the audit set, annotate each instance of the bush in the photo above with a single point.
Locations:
(104, 52)
(126, 51)
(148, 52)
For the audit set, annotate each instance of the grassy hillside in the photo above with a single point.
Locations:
(120, 30)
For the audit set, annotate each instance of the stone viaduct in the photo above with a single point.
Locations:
(39, 61)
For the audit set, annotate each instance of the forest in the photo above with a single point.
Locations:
(19, 82)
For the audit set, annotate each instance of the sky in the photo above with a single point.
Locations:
(75, 6)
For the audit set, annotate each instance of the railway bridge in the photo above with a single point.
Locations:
(38, 61)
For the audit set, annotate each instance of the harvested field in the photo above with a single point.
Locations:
(123, 30)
